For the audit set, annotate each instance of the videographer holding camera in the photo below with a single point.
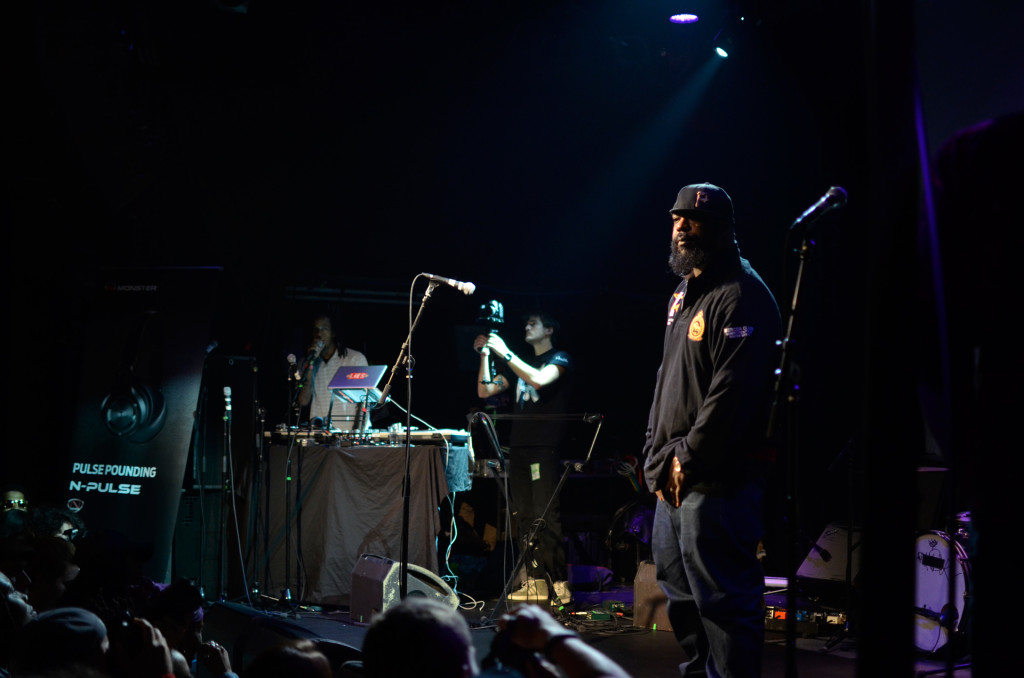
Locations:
(436, 643)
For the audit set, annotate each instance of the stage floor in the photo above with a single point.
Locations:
(646, 653)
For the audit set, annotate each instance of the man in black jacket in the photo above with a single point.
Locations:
(706, 452)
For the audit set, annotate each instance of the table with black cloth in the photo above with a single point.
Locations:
(345, 501)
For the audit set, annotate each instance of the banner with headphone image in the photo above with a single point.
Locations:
(142, 362)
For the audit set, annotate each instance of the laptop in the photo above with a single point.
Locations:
(357, 383)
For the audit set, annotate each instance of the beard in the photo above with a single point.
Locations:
(682, 262)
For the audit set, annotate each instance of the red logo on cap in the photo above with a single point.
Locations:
(701, 197)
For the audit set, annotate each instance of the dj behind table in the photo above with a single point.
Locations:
(335, 495)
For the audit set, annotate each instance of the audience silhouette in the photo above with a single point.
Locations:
(428, 639)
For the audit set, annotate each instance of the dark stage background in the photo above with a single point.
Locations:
(324, 153)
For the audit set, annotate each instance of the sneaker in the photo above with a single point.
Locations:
(562, 591)
(532, 589)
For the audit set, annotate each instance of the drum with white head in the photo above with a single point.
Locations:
(940, 602)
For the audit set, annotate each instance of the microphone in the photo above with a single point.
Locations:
(314, 351)
(227, 398)
(833, 198)
(293, 367)
(464, 287)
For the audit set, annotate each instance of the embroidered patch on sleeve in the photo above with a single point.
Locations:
(738, 332)
(696, 329)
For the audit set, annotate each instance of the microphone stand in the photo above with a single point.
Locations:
(405, 356)
(227, 487)
(848, 455)
(538, 524)
(298, 380)
(786, 388)
(261, 504)
(199, 463)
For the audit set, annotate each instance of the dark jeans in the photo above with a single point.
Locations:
(705, 555)
(533, 474)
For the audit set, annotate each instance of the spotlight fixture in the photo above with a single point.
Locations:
(723, 40)
(735, 33)
(684, 18)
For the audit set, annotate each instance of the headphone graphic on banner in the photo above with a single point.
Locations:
(134, 410)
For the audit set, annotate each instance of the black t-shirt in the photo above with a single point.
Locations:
(550, 401)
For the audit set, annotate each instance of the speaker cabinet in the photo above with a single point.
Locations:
(650, 605)
(376, 586)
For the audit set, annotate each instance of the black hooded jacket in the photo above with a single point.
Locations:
(714, 386)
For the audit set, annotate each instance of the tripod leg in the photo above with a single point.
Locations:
(837, 639)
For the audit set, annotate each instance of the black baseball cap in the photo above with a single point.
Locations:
(704, 201)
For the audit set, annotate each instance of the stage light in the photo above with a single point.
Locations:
(684, 18)
(734, 30)
(722, 42)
